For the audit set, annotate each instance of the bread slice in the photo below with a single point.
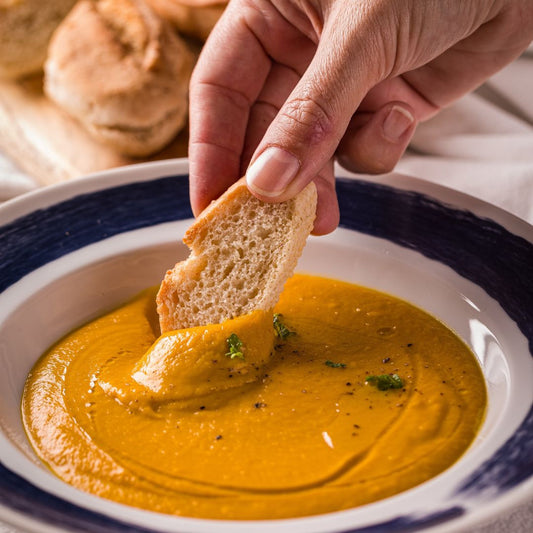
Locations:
(242, 252)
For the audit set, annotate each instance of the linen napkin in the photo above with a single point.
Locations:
(483, 144)
(13, 181)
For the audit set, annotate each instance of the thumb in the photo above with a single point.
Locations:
(306, 131)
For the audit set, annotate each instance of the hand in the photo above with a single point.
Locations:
(291, 85)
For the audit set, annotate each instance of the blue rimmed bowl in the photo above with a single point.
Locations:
(71, 251)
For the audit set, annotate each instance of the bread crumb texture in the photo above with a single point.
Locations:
(242, 252)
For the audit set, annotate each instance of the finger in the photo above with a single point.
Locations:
(227, 78)
(327, 211)
(374, 142)
(310, 124)
(327, 214)
(398, 90)
(280, 82)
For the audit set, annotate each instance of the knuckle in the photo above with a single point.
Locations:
(306, 119)
(264, 112)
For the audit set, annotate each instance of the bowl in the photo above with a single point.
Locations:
(72, 251)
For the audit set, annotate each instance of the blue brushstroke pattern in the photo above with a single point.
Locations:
(478, 249)
(47, 234)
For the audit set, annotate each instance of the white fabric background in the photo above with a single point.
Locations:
(481, 145)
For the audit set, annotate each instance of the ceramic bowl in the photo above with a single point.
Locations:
(71, 251)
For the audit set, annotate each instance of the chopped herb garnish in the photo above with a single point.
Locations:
(335, 365)
(282, 331)
(386, 381)
(235, 345)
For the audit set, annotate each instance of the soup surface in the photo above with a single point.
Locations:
(353, 396)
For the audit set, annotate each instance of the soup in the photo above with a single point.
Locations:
(339, 397)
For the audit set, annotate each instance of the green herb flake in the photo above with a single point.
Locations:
(234, 345)
(385, 381)
(282, 331)
(335, 365)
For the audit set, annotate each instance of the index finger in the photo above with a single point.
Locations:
(227, 79)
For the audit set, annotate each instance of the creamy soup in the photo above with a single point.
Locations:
(343, 397)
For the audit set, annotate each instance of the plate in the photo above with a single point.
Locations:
(74, 250)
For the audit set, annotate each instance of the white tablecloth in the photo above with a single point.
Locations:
(481, 145)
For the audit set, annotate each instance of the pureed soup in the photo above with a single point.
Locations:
(343, 397)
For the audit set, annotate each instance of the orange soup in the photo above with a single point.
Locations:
(339, 397)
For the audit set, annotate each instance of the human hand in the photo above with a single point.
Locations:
(291, 85)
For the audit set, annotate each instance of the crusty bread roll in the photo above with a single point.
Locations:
(242, 252)
(122, 72)
(25, 30)
(194, 18)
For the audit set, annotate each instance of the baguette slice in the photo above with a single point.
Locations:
(243, 251)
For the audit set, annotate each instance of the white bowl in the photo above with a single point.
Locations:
(71, 251)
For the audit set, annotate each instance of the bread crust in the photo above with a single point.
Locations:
(195, 18)
(26, 27)
(122, 72)
(243, 251)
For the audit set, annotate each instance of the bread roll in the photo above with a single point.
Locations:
(243, 251)
(122, 72)
(194, 18)
(25, 30)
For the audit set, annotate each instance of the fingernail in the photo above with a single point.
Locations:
(270, 174)
(396, 123)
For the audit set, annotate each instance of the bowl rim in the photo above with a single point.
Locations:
(54, 194)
